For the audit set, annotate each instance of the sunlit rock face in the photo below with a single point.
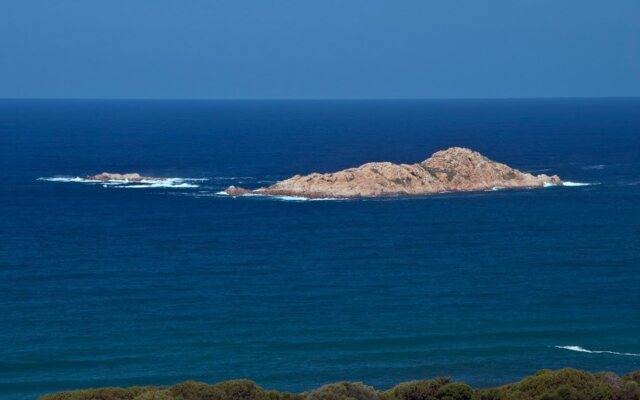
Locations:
(453, 170)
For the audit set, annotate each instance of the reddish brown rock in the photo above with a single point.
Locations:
(453, 170)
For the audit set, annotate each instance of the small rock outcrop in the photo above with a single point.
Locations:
(453, 170)
(108, 176)
(236, 191)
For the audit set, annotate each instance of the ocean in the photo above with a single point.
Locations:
(123, 285)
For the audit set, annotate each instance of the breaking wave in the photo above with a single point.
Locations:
(67, 179)
(172, 183)
(280, 198)
(569, 183)
(583, 350)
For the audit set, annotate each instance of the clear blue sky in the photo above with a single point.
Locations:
(319, 49)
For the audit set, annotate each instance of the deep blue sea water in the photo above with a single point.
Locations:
(121, 286)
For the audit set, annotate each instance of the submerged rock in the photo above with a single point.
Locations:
(453, 170)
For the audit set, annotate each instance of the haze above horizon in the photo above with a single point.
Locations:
(319, 50)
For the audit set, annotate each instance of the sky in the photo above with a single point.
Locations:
(323, 49)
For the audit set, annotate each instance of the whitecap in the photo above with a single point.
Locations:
(279, 197)
(299, 198)
(173, 183)
(549, 184)
(160, 185)
(290, 198)
(75, 179)
(583, 350)
(569, 183)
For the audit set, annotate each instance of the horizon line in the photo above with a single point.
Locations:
(312, 98)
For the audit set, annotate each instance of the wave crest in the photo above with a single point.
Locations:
(571, 184)
(278, 197)
(583, 350)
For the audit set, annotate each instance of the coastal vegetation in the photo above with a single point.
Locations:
(564, 384)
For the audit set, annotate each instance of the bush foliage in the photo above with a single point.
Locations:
(564, 384)
(344, 391)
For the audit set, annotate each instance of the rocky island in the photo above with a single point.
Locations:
(456, 169)
(131, 177)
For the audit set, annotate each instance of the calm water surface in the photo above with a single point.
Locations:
(129, 286)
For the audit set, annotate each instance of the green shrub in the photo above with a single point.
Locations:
(569, 384)
(610, 379)
(489, 394)
(156, 394)
(273, 395)
(100, 394)
(630, 391)
(632, 376)
(344, 391)
(455, 391)
(564, 384)
(415, 390)
(564, 392)
(239, 390)
(228, 390)
(192, 390)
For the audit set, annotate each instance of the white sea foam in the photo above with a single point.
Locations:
(298, 198)
(160, 185)
(290, 198)
(569, 183)
(172, 183)
(583, 350)
(496, 188)
(76, 179)
(279, 198)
